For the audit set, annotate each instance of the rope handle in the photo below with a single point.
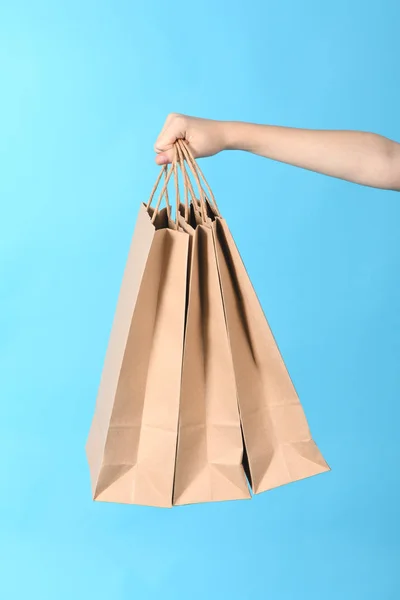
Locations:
(183, 154)
(199, 175)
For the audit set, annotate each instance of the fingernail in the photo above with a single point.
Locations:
(162, 160)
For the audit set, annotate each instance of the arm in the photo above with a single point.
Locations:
(364, 158)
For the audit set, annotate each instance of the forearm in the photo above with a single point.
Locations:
(363, 158)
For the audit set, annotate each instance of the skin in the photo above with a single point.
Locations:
(365, 158)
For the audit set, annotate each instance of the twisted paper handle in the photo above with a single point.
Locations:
(183, 154)
(198, 175)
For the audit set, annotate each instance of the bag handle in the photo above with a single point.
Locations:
(187, 184)
(167, 197)
(202, 198)
(182, 153)
(198, 174)
(164, 190)
(164, 170)
(176, 182)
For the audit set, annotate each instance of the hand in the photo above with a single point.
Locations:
(204, 137)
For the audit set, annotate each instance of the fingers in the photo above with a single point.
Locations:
(174, 129)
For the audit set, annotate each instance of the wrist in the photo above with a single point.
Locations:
(230, 138)
(237, 135)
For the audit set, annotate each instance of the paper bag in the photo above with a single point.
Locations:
(132, 442)
(210, 445)
(279, 447)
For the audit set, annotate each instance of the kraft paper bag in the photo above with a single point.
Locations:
(210, 445)
(131, 447)
(279, 446)
(209, 463)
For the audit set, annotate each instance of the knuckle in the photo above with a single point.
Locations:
(176, 118)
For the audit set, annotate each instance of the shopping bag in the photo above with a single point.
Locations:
(279, 448)
(132, 442)
(210, 445)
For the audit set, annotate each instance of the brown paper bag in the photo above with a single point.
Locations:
(210, 445)
(132, 442)
(279, 447)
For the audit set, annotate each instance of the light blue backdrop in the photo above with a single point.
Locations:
(85, 88)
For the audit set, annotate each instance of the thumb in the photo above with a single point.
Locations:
(164, 146)
(165, 158)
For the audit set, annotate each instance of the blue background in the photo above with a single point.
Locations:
(85, 89)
